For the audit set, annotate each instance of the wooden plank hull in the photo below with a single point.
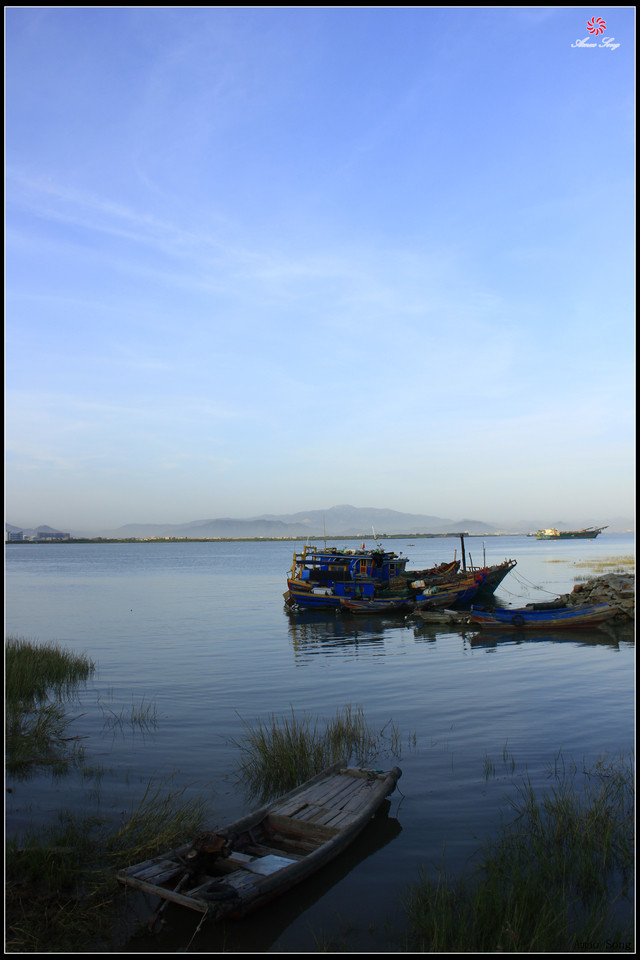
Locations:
(392, 605)
(270, 850)
(568, 617)
(444, 616)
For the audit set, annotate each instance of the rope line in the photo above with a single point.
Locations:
(528, 584)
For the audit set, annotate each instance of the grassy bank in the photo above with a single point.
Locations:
(61, 892)
(557, 879)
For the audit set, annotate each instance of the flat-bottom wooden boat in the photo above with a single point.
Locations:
(378, 605)
(553, 617)
(230, 872)
(460, 617)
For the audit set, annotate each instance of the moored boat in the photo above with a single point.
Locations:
(320, 578)
(543, 616)
(460, 617)
(378, 605)
(233, 871)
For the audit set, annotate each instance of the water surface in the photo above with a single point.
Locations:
(200, 631)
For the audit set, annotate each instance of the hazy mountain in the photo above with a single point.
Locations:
(343, 520)
(339, 521)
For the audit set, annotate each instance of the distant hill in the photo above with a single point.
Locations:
(33, 532)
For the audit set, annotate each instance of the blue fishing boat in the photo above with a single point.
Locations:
(543, 616)
(320, 578)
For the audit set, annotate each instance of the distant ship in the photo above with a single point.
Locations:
(589, 533)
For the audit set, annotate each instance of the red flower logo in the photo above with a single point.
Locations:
(596, 26)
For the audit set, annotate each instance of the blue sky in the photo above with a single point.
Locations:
(265, 260)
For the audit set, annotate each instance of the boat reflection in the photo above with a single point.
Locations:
(321, 630)
(594, 636)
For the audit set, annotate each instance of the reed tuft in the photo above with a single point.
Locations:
(556, 880)
(279, 753)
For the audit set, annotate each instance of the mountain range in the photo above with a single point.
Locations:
(337, 521)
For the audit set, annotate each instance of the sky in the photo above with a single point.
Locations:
(267, 260)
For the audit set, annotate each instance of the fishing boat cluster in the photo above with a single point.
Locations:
(377, 581)
(369, 581)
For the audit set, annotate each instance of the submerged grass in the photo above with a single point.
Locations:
(554, 881)
(282, 752)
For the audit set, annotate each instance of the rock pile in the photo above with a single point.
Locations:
(615, 588)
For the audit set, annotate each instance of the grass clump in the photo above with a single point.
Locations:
(34, 671)
(557, 879)
(61, 892)
(38, 679)
(282, 752)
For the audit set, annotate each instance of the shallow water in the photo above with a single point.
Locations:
(199, 633)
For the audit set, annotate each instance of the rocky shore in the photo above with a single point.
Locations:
(615, 588)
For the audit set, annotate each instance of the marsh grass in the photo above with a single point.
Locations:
(282, 752)
(142, 716)
(61, 894)
(557, 879)
(38, 680)
(34, 671)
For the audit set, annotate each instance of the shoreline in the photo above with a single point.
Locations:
(306, 539)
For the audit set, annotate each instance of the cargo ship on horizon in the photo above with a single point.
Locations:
(589, 533)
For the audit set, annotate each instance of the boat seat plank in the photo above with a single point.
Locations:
(292, 828)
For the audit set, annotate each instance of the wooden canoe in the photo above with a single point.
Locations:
(551, 618)
(251, 861)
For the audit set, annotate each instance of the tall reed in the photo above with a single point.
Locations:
(281, 752)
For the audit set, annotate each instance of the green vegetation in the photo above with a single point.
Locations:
(283, 752)
(38, 679)
(552, 882)
(61, 892)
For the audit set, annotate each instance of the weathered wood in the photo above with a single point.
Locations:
(175, 897)
(272, 849)
(293, 828)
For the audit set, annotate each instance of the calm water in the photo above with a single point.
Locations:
(199, 631)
